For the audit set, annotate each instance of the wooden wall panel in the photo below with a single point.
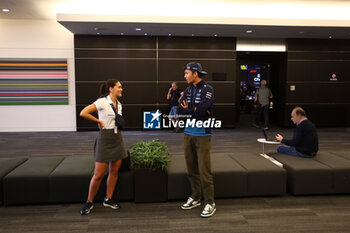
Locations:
(174, 69)
(318, 45)
(200, 43)
(146, 66)
(309, 67)
(124, 70)
(112, 42)
(117, 53)
(133, 93)
(319, 92)
(323, 114)
(226, 113)
(317, 70)
(199, 54)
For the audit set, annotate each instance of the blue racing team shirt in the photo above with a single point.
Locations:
(200, 100)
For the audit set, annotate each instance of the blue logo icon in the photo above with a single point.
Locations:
(151, 120)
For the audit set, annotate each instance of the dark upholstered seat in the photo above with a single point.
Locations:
(341, 153)
(340, 168)
(57, 180)
(6, 166)
(234, 175)
(263, 176)
(178, 185)
(60, 179)
(69, 182)
(306, 176)
(326, 173)
(230, 178)
(29, 182)
(124, 190)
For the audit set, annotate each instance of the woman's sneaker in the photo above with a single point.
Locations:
(208, 211)
(87, 208)
(110, 203)
(190, 204)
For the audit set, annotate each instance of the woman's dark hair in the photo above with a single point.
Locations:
(104, 88)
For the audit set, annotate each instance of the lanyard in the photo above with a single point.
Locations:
(112, 105)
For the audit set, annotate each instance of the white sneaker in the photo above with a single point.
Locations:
(190, 204)
(208, 211)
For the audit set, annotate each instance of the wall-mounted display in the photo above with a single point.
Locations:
(33, 82)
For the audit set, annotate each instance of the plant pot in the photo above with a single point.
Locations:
(150, 185)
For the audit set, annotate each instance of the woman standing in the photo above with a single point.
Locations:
(109, 146)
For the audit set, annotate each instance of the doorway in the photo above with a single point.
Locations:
(252, 68)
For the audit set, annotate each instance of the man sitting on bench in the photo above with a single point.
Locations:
(305, 139)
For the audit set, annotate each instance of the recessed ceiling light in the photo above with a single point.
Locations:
(330, 37)
(146, 34)
(96, 29)
(193, 34)
(215, 35)
(249, 31)
(138, 29)
(5, 10)
(98, 33)
(169, 34)
(122, 33)
(301, 32)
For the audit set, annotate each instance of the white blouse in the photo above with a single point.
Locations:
(106, 113)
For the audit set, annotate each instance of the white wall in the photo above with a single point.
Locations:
(38, 39)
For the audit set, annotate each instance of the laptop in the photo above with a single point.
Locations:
(273, 139)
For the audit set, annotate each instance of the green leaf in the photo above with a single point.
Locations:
(151, 155)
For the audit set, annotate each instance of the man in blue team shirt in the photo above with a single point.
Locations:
(197, 101)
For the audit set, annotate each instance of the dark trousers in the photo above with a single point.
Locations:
(265, 110)
(290, 150)
(197, 154)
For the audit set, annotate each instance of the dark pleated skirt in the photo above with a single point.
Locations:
(109, 146)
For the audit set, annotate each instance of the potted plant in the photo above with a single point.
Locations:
(150, 163)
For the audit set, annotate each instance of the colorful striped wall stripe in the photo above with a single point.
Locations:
(33, 82)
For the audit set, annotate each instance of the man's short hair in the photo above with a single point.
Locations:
(174, 83)
(264, 82)
(299, 111)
